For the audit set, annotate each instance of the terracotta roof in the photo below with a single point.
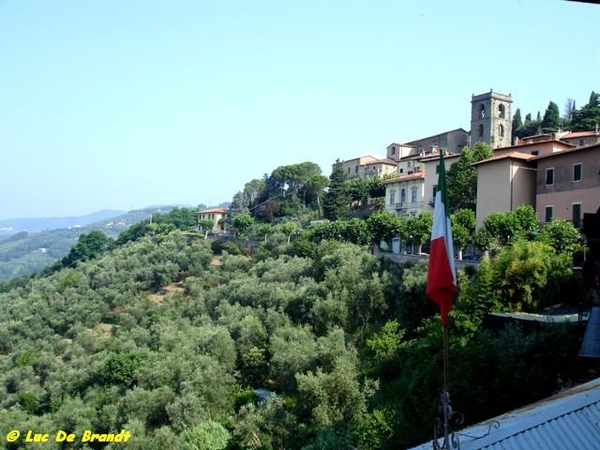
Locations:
(359, 158)
(383, 161)
(213, 211)
(579, 134)
(412, 176)
(534, 144)
(512, 155)
(595, 145)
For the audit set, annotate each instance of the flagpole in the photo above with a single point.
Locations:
(446, 358)
(441, 288)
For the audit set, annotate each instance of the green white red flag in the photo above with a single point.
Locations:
(441, 276)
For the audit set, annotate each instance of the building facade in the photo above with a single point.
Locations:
(215, 214)
(368, 166)
(568, 184)
(491, 119)
(431, 167)
(504, 182)
(405, 194)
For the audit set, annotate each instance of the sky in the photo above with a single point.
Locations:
(126, 104)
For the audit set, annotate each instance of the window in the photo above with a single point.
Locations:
(403, 195)
(482, 111)
(535, 152)
(550, 176)
(501, 131)
(348, 169)
(401, 170)
(577, 215)
(577, 176)
(480, 130)
(434, 192)
(393, 150)
(581, 142)
(437, 169)
(413, 195)
(356, 169)
(501, 111)
(392, 197)
(549, 210)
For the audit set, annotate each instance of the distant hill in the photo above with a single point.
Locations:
(32, 224)
(26, 252)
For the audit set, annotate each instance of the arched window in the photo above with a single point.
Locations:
(480, 132)
(501, 111)
(501, 131)
(413, 195)
(403, 195)
(482, 111)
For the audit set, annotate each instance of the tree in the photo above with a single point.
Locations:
(205, 225)
(242, 223)
(570, 109)
(463, 229)
(521, 272)
(337, 198)
(292, 188)
(288, 228)
(383, 226)
(418, 228)
(561, 235)
(462, 177)
(517, 124)
(551, 120)
(588, 117)
(88, 246)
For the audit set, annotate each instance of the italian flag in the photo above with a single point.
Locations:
(441, 276)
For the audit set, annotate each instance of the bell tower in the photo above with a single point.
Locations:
(491, 119)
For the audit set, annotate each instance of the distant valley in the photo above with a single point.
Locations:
(32, 224)
(29, 245)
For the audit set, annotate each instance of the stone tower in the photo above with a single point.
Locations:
(491, 119)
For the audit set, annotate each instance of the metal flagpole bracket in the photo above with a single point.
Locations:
(441, 427)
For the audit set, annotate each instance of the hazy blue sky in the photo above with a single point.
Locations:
(124, 104)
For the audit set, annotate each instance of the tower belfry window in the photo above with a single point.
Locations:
(501, 131)
(501, 111)
(482, 111)
(480, 130)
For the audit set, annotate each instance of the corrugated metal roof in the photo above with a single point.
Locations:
(569, 420)
(590, 346)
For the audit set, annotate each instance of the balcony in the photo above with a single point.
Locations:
(409, 205)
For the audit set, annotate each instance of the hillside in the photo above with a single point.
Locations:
(159, 338)
(27, 252)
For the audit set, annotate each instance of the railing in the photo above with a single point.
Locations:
(409, 205)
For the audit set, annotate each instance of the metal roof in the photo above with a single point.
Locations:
(569, 420)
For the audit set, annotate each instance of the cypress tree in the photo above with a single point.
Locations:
(336, 203)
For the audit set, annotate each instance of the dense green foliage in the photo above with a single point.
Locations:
(162, 338)
(336, 203)
(462, 177)
(584, 119)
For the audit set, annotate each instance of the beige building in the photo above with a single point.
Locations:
(368, 166)
(504, 182)
(404, 194)
(568, 184)
(452, 141)
(431, 167)
(215, 214)
(581, 138)
(535, 147)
